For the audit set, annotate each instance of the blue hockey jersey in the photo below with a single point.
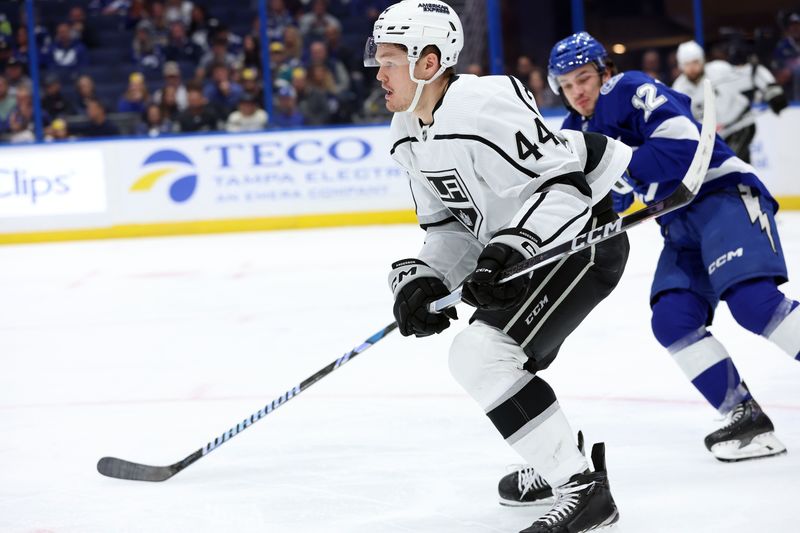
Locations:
(657, 122)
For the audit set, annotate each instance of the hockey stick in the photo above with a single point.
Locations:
(686, 191)
(122, 469)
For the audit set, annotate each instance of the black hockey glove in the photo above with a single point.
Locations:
(507, 248)
(415, 285)
(776, 99)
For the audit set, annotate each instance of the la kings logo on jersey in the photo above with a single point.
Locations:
(455, 196)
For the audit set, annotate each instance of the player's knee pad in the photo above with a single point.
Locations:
(753, 303)
(487, 363)
(677, 314)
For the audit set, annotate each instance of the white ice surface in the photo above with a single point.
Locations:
(146, 349)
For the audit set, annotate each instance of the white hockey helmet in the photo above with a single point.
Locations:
(688, 52)
(416, 24)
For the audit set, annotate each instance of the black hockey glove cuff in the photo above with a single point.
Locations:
(776, 99)
(507, 248)
(415, 285)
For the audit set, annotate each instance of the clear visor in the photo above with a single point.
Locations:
(370, 51)
(391, 57)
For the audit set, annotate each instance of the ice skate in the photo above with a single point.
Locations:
(584, 503)
(524, 486)
(749, 434)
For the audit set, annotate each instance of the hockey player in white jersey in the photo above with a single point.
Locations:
(493, 186)
(736, 87)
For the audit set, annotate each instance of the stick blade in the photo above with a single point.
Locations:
(122, 469)
(696, 174)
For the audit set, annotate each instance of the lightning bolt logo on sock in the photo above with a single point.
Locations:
(756, 214)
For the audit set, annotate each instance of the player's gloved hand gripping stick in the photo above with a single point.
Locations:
(686, 191)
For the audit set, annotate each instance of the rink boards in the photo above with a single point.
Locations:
(238, 182)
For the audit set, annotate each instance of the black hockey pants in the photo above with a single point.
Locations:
(559, 296)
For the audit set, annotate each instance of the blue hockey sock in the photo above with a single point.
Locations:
(754, 303)
(677, 314)
(784, 328)
(707, 364)
(760, 307)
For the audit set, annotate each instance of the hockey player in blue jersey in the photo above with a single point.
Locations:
(723, 246)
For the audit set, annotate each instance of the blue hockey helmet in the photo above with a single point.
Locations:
(575, 51)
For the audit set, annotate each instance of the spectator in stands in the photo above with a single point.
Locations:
(300, 83)
(545, 98)
(198, 116)
(154, 123)
(234, 41)
(20, 129)
(170, 109)
(85, 91)
(179, 46)
(199, 30)
(314, 24)
(293, 43)
(144, 50)
(135, 13)
(79, 27)
(99, 125)
(135, 98)
(5, 26)
(251, 84)
(475, 69)
(318, 55)
(21, 119)
(340, 52)
(40, 32)
(285, 113)
(319, 103)
(57, 131)
(172, 78)
(673, 69)
(651, 64)
(247, 117)
(221, 92)
(15, 75)
(178, 11)
(67, 53)
(279, 66)
(54, 101)
(155, 22)
(251, 52)
(6, 53)
(278, 18)
(524, 68)
(786, 58)
(218, 54)
(21, 45)
(115, 7)
(7, 100)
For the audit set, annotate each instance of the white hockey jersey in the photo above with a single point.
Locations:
(736, 88)
(488, 162)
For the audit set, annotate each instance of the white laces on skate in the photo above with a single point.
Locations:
(734, 416)
(567, 498)
(528, 479)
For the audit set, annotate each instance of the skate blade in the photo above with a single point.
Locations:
(762, 446)
(515, 503)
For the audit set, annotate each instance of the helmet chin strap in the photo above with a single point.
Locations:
(420, 84)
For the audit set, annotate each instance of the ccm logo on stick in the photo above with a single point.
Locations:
(597, 234)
